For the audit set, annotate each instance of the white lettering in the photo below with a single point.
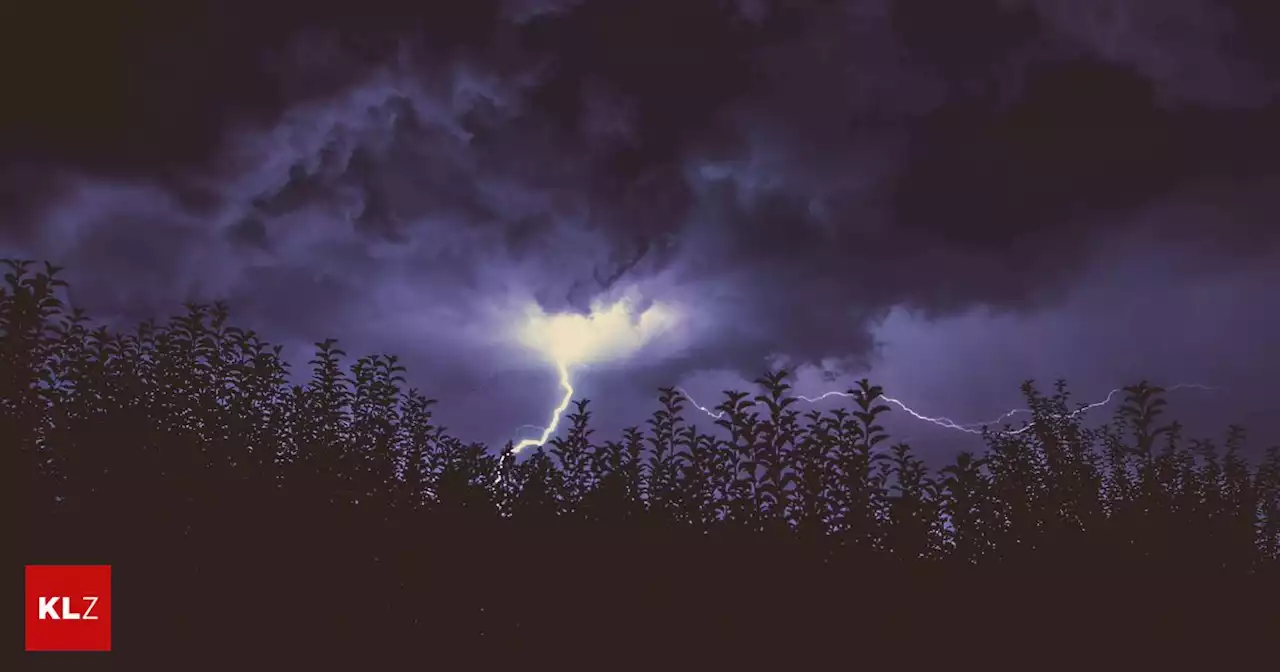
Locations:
(67, 614)
(46, 608)
(49, 611)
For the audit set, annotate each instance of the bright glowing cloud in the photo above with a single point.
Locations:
(610, 332)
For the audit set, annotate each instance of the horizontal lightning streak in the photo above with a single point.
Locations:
(947, 423)
(715, 415)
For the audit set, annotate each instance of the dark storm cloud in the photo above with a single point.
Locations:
(790, 171)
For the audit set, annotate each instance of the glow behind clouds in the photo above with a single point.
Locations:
(611, 331)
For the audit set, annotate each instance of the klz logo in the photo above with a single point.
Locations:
(68, 607)
(47, 605)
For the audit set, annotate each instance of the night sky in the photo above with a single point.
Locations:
(949, 197)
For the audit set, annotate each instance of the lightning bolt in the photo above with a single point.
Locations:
(940, 421)
(948, 423)
(611, 332)
(567, 386)
(715, 415)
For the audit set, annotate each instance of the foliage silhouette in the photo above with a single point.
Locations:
(335, 517)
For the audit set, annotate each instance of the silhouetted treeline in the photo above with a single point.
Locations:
(335, 517)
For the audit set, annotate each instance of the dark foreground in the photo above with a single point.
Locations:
(470, 597)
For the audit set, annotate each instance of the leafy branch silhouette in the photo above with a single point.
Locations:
(181, 451)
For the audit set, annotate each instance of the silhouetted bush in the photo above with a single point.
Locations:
(334, 517)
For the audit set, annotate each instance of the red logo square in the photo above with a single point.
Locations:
(68, 607)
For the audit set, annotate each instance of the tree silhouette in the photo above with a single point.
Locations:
(336, 517)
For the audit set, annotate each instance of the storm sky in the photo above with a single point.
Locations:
(948, 197)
